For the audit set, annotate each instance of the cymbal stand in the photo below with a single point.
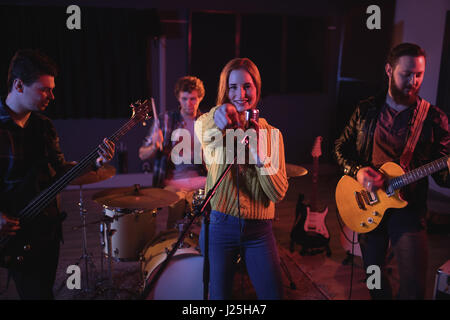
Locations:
(102, 246)
(109, 234)
(85, 255)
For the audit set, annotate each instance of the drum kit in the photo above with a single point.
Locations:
(127, 234)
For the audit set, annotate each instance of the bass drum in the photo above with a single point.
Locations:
(183, 277)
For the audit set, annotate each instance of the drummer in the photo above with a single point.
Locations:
(166, 132)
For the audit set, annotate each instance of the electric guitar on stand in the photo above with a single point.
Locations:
(315, 220)
(310, 229)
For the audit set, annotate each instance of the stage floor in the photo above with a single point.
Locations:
(308, 277)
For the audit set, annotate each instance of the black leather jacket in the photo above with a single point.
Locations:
(353, 149)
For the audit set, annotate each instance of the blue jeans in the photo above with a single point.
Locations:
(259, 252)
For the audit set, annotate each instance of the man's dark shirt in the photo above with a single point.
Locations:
(390, 135)
(29, 159)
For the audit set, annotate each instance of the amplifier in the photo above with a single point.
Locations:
(442, 283)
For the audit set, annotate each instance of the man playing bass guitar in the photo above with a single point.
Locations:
(30, 158)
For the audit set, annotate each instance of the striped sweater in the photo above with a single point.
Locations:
(259, 187)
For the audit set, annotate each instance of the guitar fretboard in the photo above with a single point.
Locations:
(44, 198)
(418, 173)
(315, 178)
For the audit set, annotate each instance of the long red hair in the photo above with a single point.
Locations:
(235, 64)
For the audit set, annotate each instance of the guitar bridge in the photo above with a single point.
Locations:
(359, 200)
(370, 198)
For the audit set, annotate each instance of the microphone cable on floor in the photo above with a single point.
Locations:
(352, 252)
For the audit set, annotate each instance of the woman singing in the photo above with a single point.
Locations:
(244, 205)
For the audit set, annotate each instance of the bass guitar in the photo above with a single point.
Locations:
(14, 250)
(362, 211)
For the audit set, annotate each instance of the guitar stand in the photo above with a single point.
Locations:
(312, 251)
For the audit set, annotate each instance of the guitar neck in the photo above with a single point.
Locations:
(45, 197)
(315, 179)
(418, 173)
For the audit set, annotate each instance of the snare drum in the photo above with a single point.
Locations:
(131, 231)
(183, 277)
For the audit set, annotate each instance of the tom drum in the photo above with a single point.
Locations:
(131, 230)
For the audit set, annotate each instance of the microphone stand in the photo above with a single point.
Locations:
(198, 211)
(250, 114)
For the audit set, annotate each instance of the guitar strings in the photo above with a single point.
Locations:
(418, 173)
(42, 201)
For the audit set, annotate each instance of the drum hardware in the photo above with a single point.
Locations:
(133, 210)
(111, 290)
(106, 235)
(131, 231)
(136, 198)
(105, 172)
(85, 256)
(105, 243)
(109, 233)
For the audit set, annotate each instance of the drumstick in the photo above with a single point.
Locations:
(156, 120)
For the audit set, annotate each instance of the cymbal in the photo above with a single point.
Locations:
(104, 172)
(187, 184)
(293, 170)
(136, 198)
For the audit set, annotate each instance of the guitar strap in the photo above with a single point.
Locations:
(419, 117)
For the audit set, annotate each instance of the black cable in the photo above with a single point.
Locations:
(240, 227)
(351, 272)
(341, 226)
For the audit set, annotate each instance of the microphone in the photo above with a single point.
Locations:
(251, 114)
